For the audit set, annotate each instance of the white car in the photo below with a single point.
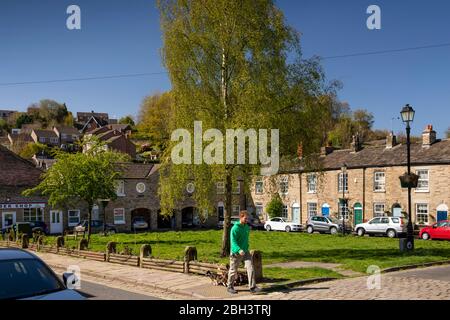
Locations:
(282, 224)
(389, 226)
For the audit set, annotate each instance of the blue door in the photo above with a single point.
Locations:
(441, 215)
(325, 211)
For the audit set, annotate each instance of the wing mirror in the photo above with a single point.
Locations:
(434, 226)
(69, 279)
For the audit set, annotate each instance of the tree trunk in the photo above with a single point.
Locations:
(90, 206)
(227, 214)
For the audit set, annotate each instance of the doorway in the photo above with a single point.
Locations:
(441, 212)
(56, 223)
(358, 211)
(8, 219)
(296, 213)
(325, 210)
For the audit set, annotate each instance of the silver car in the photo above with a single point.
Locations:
(389, 226)
(323, 225)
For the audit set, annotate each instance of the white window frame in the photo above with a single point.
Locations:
(259, 213)
(427, 214)
(120, 188)
(220, 186)
(376, 212)
(259, 186)
(42, 140)
(237, 188)
(427, 180)
(345, 182)
(311, 183)
(73, 224)
(343, 208)
(119, 211)
(311, 211)
(36, 213)
(285, 212)
(284, 185)
(235, 210)
(379, 183)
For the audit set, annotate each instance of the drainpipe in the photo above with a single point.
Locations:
(364, 194)
(300, 198)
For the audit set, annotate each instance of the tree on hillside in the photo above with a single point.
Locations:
(33, 148)
(4, 127)
(127, 120)
(48, 112)
(154, 118)
(227, 62)
(88, 177)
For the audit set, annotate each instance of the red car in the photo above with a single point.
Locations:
(440, 230)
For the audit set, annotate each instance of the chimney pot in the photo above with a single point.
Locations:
(391, 141)
(428, 136)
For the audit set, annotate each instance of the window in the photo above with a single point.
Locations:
(379, 181)
(259, 209)
(33, 214)
(236, 210)
(237, 188)
(375, 221)
(42, 140)
(424, 177)
(284, 213)
(220, 187)
(384, 220)
(119, 216)
(343, 210)
(73, 217)
(311, 180)
(284, 185)
(378, 209)
(120, 188)
(343, 182)
(312, 209)
(54, 140)
(421, 213)
(259, 186)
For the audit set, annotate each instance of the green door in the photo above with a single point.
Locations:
(358, 213)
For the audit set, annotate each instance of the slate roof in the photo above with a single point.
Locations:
(16, 171)
(380, 156)
(136, 170)
(68, 130)
(45, 133)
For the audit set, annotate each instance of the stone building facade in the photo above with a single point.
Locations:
(370, 184)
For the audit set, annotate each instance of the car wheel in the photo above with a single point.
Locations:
(310, 229)
(391, 233)
(360, 232)
(425, 236)
(333, 230)
(268, 228)
(288, 229)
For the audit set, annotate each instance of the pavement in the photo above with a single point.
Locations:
(324, 265)
(95, 291)
(424, 283)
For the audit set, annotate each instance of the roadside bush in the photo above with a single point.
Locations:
(275, 206)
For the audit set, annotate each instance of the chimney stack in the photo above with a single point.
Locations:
(356, 143)
(428, 136)
(327, 149)
(391, 140)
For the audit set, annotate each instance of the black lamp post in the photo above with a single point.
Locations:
(344, 171)
(407, 114)
(104, 204)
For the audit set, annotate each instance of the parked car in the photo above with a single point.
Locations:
(39, 226)
(253, 223)
(324, 225)
(139, 223)
(19, 227)
(389, 226)
(282, 224)
(440, 230)
(96, 227)
(24, 276)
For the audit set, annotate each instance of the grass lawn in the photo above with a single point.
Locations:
(352, 252)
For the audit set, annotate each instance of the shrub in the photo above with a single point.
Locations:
(275, 206)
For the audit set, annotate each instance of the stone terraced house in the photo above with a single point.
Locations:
(370, 184)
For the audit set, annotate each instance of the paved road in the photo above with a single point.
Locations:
(435, 273)
(94, 291)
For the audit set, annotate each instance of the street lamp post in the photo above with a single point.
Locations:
(104, 204)
(407, 114)
(344, 171)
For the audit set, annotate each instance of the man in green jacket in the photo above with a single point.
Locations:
(239, 252)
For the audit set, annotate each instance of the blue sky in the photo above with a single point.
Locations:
(123, 37)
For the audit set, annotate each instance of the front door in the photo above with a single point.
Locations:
(8, 219)
(56, 223)
(358, 213)
(325, 210)
(441, 215)
(296, 215)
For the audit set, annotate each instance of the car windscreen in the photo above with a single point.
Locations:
(26, 278)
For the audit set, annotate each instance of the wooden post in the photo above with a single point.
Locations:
(83, 244)
(190, 254)
(257, 264)
(59, 242)
(146, 251)
(110, 248)
(40, 243)
(24, 241)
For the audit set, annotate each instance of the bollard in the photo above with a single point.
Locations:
(24, 241)
(110, 248)
(146, 251)
(190, 254)
(60, 242)
(257, 264)
(83, 244)
(40, 243)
